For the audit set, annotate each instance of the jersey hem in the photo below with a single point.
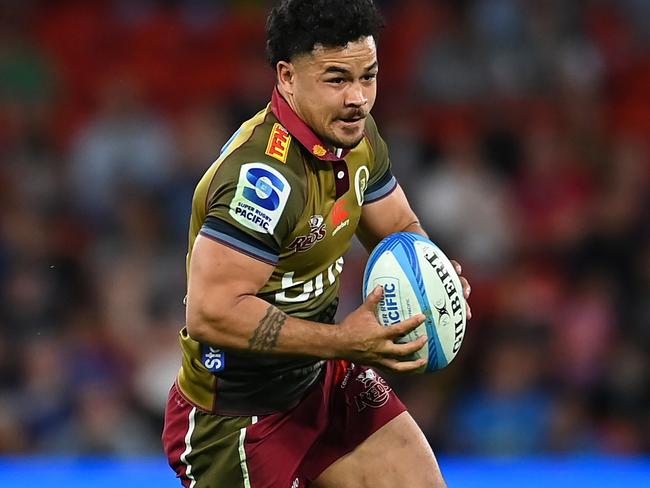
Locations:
(187, 398)
(250, 413)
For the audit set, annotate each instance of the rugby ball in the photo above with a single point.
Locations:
(417, 277)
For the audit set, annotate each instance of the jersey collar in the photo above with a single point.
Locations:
(300, 130)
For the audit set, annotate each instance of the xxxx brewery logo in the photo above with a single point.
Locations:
(317, 232)
(278, 146)
(376, 392)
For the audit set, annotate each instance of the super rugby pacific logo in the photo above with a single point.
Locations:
(261, 195)
(264, 188)
(376, 392)
(389, 308)
(317, 232)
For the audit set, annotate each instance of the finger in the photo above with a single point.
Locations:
(468, 311)
(400, 350)
(405, 326)
(373, 298)
(457, 267)
(397, 366)
(467, 289)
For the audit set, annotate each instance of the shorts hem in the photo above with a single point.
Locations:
(331, 459)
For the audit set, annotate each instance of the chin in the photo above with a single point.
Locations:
(346, 143)
(351, 145)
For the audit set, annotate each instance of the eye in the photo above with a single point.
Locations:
(335, 81)
(370, 77)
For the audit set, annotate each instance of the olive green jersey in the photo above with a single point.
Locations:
(278, 195)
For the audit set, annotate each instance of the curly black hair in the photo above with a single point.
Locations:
(294, 27)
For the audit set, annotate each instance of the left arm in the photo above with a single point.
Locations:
(391, 214)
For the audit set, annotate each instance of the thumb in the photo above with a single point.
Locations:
(374, 297)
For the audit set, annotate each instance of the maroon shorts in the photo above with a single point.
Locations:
(283, 450)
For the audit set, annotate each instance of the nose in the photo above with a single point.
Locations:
(356, 97)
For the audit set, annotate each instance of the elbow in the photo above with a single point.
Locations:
(198, 330)
(203, 327)
(213, 322)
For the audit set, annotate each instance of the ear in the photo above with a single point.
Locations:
(286, 76)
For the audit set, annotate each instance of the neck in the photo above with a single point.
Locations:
(291, 101)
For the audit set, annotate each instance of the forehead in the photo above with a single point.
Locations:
(357, 54)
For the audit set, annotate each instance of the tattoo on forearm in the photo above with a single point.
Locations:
(266, 335)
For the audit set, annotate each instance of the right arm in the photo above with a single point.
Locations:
(224, 311)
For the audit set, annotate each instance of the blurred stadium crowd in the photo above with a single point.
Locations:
(520, 129)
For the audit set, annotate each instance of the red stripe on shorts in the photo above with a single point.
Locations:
(177, 423)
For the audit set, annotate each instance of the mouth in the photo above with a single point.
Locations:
(352, 121)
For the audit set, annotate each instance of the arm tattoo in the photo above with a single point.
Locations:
(266, 335)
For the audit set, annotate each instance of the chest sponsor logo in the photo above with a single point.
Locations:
(340, 215)
(375, 392)
(361, 183)
(279, 141)
(212, 358)
(261, 195)
(298, 291)
(317, 233)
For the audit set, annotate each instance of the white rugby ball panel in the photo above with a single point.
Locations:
(444, 289)
(408, 262)
(418, 277)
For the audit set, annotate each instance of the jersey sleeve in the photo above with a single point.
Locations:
(253, 207)
(381, 181)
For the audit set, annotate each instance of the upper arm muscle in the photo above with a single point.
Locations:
(218, 277)
(383, 217)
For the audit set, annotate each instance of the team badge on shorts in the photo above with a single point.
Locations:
(376, 392)
(261, 195)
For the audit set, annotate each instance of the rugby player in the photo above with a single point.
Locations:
(271, 392)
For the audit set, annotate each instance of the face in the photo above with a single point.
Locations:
(333, 90)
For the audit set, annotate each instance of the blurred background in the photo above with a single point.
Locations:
(520, 130)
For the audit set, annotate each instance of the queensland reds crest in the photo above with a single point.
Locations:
(317, 232)
(376, 392)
